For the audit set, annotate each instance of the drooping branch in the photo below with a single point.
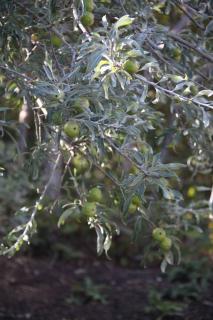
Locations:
(29, 225)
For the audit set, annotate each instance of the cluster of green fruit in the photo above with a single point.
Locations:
(87, 18)
(95, 196)
(165, 242)
(134, 204)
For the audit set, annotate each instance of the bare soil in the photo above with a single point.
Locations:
(45, 289)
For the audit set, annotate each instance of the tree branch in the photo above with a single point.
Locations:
(29, 224)
(186, 12)
(174, 94)
(191, 46)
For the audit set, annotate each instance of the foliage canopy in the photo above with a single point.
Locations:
(136, 82)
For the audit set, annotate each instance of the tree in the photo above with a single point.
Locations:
(112, 96)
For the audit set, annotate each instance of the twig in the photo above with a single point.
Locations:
(169, 64)
(172, 93)
(154, 52)
(17, 73)
(107, 175)
(111, 143)
(186, 12)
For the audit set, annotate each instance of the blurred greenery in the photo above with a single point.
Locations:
(86, 290)
(185, 283)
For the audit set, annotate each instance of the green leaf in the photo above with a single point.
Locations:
(169, 257)
(163, 265)
(123, 22)
(100, 239)
(176, 78)
(207, 93)
(134, 53)
(209, 28)
(107, 244)
(65, 215)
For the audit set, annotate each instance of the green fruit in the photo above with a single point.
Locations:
(166, 244)
(187, 91)
(93, 151)
(188, 216)
(80, 163)
(87, 19)
(71, 129)
(134, 170)
(194, 90)
(88, 5)
(177, 53)
(59, 96)
(136, 200)
(132, 208)
(131, 66)
(56, 41)
(97, 174)
(191, 192)
(39, 206)
(162, 18)
(84, 164)
(89, 209)
(95, 195)
(81, 104)
(158, 234)
(34, 37)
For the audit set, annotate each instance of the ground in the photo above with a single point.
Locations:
(44, 289)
